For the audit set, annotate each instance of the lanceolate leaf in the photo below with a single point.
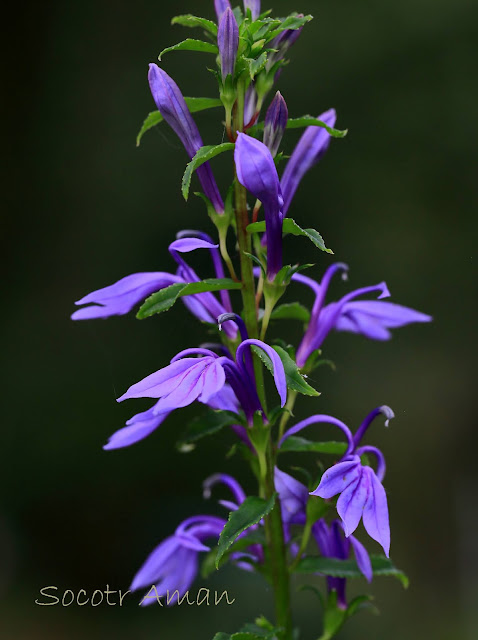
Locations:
(336, 568)
(305, 121)
(256, 65)
(296, 443)
(310, 121)
(164, 299)
(294, 378)
(290, 226)
(291, 311)
(203, 155)
(191, 45)
(189, 20)
(250, 512)
(291, 22)
(194, 104)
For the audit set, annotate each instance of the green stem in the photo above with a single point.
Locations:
(225, 255)
(277, 554)
(291, 398)
(303, 545)
(268, 309)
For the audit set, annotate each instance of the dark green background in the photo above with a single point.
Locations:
(395, 200)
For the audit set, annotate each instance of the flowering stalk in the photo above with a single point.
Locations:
(272, 532)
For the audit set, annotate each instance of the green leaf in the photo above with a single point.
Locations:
(250, 512)
(359, 604)
(165, 298)
(291, 311)
(152, 119)
(191, 45)
(222, 636)
(336, 568)
(256, 227)
(189, 20)
(296, 443)
(294, 21)
(203, 155)
(256, 65)
(315, 591)
(290, 226)
(310, 121)
(207, 425)
(194, 104)
(294, 378)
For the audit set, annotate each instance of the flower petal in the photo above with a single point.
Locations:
(162, 381)
(137, 428)
(362, 558)
(338, 478)
(375, 515)
(351, 503)
(214, 380)
(119, 298)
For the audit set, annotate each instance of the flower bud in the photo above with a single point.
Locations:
(228, 42)
(220, 6)
(254, 6)
(275, 123)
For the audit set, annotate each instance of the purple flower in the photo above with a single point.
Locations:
(143, 424)
(121, 297)
(173, 565)
(231, 483)
(308, 151)
(275, 123)
(362, 495)
(228, 42)
(204, 306)
(254, 6)
(188, 379)
(293, 497)
(332, 544)
(371, 318)
(174, 110)
(220, 6)
(257, 172)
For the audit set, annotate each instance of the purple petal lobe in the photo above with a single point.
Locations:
(278, 367)
(162, 381)
(375, 515)
(351, 503)
(137, 428)
(338, 478)
(362, 557)
(293, 497)
(309, 150)
(120, 297)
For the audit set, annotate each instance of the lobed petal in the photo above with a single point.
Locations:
(338, 478)
(351, 503)
(375, 515)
